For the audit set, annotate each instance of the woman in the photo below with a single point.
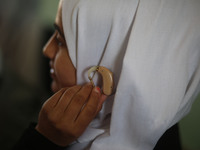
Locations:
(152, 47)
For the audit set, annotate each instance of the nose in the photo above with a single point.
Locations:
(50, 49)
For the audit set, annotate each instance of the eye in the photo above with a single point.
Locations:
(59, 40)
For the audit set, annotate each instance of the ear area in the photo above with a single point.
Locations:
(107, 76)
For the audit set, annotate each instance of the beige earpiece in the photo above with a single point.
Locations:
(107, 77)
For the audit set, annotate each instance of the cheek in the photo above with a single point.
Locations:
(60, 68)
(64, 70)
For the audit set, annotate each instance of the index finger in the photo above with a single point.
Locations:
(89, 110)
(53, 100)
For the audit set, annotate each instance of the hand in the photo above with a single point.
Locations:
(66, 115)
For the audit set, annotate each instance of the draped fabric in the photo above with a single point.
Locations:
(153, 49)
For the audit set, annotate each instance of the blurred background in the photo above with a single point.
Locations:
(25, 26)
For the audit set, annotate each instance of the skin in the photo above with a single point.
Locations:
(66, 115)
(64, 73)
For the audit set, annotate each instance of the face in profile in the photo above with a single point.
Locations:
(62, 71)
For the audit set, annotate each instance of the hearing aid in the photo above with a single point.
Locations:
(107, 77)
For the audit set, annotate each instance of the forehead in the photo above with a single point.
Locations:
(58, 19)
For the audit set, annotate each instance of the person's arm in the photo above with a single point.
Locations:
(63, 118)
(33, 140)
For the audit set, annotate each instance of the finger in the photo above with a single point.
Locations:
(78, 101)
(66, 98)
(53, 100)
(102, 99)
(89, 110)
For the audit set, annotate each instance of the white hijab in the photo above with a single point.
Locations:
(153, 49)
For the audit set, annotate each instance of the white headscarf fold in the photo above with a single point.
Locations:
(153, 49)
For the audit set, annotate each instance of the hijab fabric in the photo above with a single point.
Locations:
(153, 49)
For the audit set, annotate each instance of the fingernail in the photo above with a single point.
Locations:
(98, 89)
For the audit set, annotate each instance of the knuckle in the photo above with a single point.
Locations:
(77, 86)
(72, 91)
(87, 87)
(79, 97)
(95, 96)
(90, 109)
(45, 108)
